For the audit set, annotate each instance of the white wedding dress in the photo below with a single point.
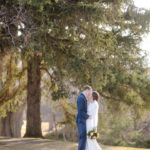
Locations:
(92, 109)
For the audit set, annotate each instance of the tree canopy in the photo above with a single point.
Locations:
(86, 42)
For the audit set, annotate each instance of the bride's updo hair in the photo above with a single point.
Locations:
(95, 96)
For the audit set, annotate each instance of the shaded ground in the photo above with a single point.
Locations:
(45, 144)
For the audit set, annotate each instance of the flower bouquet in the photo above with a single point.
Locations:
(92, 134)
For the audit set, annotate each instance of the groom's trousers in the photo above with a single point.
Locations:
(82, 135)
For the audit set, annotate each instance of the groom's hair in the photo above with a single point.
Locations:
(87, 87)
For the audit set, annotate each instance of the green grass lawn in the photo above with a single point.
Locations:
(45, 144)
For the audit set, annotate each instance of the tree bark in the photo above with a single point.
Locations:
(33, 127)
(10, 126)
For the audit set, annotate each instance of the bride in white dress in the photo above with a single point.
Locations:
(91, 124)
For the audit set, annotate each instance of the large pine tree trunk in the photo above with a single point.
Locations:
(10, 126)
(33, 127)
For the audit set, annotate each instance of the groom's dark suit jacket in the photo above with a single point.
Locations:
(82, 109)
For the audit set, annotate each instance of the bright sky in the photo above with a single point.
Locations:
(146, 40)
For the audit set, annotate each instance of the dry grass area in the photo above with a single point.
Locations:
(45, 144)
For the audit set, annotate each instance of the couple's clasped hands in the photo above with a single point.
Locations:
(90, 117)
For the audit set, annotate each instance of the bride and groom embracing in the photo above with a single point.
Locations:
(87, 118)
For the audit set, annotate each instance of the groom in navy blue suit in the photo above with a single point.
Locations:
(82, 116)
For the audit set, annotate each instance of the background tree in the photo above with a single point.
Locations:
(12, 92)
